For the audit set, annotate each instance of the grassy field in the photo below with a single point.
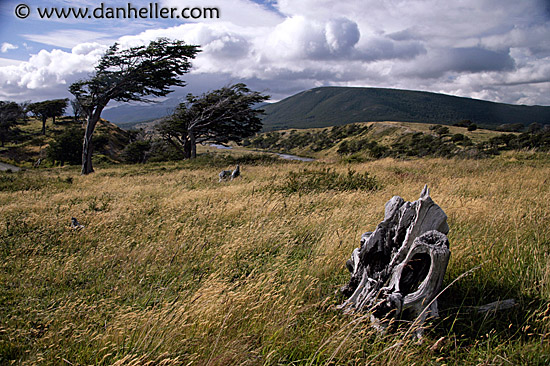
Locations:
(174, 268)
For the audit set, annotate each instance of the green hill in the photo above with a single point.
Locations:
(334, 106)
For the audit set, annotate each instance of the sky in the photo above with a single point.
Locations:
(497, 50)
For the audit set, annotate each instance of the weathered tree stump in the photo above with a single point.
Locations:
(399, 268)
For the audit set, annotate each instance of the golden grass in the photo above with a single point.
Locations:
(173, 268)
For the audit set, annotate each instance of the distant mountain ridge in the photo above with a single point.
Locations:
(334, 106)
(127, 115)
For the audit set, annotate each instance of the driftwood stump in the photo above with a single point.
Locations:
(399, 268)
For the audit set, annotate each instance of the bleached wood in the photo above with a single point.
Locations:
(399, 267)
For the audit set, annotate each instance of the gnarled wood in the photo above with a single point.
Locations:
(399, 268)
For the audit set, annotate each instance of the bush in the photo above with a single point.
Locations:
(420, 144)
(136, 152)
(67, 147)
(458, 137)
(463, 123)
(163, 151)
(472, 127)
(440, 130)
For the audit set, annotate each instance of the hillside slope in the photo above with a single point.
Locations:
(374, 140)
(333, 106)
(31, 145)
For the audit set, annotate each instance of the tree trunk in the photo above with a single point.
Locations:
(193, 144)
(398, 270)
(186, 149)
(87, 148)
(43, 125)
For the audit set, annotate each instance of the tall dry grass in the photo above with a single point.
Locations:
(174, 268)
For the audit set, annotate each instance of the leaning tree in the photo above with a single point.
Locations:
(220, 116)
(126, 75)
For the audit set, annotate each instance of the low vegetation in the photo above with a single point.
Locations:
(360, 142)
(175, 268)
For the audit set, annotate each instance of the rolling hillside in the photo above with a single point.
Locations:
(31, 145)
(333, 106)
(374, 140)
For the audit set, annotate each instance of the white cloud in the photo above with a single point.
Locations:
(69, 38)
(9, 62)
(342, 34)
(5, 47)
(496, 49)
(48, 72)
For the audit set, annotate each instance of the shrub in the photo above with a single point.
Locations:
(463, 123)
(67, 147)
(162, 151)
(440, 130)
(136, 152)
(458, 137)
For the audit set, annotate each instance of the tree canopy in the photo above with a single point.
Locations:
(48, 109)
(220, 116)
(10, 112)
(126, 75)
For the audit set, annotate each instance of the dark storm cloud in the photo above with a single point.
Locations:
(474, 59)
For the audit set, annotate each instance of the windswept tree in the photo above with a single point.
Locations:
(220, 116)
(48, 109)
(10, 112)
(126, 75)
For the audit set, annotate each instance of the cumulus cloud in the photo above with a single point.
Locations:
(47, 71)
(5, 47)
(341, 34)
(496, 49)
